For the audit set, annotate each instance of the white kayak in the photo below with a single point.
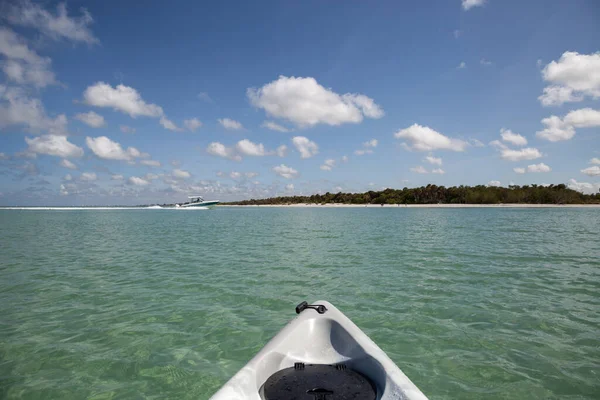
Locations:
(320, 355)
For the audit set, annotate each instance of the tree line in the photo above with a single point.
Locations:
(433, 194)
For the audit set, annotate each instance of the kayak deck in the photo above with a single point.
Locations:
(315, 337)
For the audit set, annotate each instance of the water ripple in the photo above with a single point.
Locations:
(470, 303)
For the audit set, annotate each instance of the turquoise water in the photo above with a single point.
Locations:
(470, 303)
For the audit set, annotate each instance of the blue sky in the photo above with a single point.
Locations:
(128, 105)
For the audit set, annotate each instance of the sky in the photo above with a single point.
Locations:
(234, 100)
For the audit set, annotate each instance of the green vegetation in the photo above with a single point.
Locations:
(432, 194)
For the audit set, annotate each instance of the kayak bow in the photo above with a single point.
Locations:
(320, 355)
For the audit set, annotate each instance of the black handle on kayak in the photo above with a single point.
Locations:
(317, 307)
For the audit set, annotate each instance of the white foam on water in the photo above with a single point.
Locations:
(79, 208)
(101, 208)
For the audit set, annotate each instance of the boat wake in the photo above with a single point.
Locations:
(101, 208)
(80, 208)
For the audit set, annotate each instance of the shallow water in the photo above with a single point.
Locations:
(470, 303)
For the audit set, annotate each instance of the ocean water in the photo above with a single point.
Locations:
(156, 304)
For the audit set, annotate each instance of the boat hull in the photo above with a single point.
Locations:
(314, 338)
(201, 204)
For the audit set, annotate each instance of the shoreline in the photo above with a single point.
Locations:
(341, 205)
(305, 205)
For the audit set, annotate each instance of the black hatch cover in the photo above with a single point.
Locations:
(318, 382)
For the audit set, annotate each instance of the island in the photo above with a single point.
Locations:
(432, 194)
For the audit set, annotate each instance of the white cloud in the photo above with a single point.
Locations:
(462, 65)
(134, 180)
(527, 153)
(457, 33)
(121, 98)
(345, 159)
(117, 177)
(541, 167)
(367, 147)
(592, 171)
(205, 97)
(558, 129)
(366, 105)
(54, 145)
(511, 137)
(67, 164)
(519, 170)
(56, 26)
(150, 163)
(68, 177)
(231, 124)
(304, 102)
(235, 175)
(595, 160)
(4, 156)
(192, 124)
(476, 143)
(23, 65)
(274, 126)
(38, 75)
(91, 118)
(181, 174)
(251, 175)
(584, 187)
(220, 150)
(289, 187)
(498, 144)
(485, 63)
(438, 171)
(573, 77)
(328, 164)
(468, 4)
(168, 124)
(494, 183)
(26, 154)
(126, 129)
(419, 170)
(249, 148)
(423, 138)
(433, 160)
(583, 118)
(281, 150)
(105, 148)
(371, 143)
(150, 177)
(557, 95)
(14, 47)
(555, 130)
(306, 147)
(88, 176)
(285, 171)
(16, 108)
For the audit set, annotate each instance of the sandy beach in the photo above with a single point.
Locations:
(331, 205)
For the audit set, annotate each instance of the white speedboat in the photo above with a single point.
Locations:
(198, 201)
(320, 355)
